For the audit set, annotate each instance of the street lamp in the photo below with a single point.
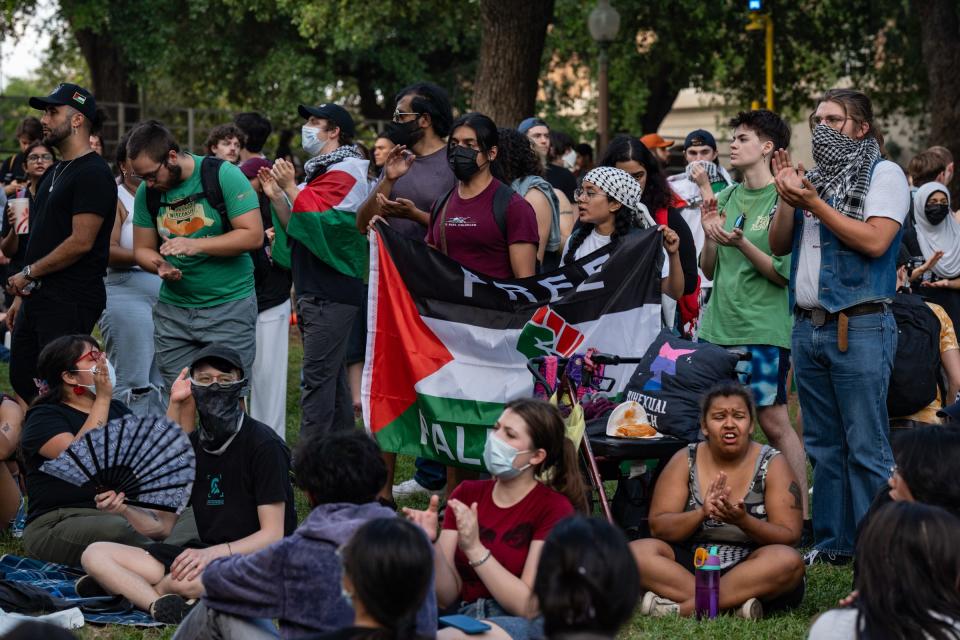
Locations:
(604, 23)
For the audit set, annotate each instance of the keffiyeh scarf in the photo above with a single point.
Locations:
(715, 173)
(844, 168)
(624, 188)
(316, 166)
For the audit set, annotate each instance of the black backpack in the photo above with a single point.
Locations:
(916, 367)
(501, 201)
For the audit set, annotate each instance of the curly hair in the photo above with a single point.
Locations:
(516, 156)
(224, 132)
(339, 467)
(624, 220)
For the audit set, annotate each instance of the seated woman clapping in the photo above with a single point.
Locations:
(487, 554)
(730, 492)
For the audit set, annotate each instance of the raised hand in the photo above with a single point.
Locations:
(428, 519)
(671, 241)
(180, 389)
(284, 173)
(398, 162)
(468, 527)
(713, 221)
(268, 183)
(699, 175)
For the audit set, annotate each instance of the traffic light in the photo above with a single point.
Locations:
(755, 5)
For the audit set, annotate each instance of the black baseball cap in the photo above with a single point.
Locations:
(333, 112)
(71, 95)
(698, 138)
(217, 355)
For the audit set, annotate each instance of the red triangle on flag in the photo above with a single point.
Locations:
(404, 349)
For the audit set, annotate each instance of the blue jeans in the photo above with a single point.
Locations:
(430, 474)
(845, 430)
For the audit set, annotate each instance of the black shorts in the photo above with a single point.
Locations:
(683, 553)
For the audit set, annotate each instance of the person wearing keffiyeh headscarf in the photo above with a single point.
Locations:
(608, 206)
(841, 222)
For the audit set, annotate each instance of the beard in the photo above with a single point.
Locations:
(175, 172)
(53, 137)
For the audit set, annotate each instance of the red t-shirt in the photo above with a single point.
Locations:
(473, 237)
(507, 533)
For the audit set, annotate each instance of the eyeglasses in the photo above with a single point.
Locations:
(834, 122)
(93, 354)
(152, 175)
(580, 191)
(37, 157)
(397, 114)
(224, 379)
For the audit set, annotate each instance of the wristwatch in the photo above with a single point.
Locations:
(26, 272)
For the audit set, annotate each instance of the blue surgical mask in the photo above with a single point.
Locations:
(346, 595)
(498, 458)
(310, 141)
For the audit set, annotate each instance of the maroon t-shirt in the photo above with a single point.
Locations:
(507, 533)
(472, 236)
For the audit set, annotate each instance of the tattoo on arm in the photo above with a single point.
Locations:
(5, 427)
(797, 499)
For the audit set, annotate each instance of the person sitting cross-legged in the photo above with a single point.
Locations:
(242, 498)
(729, 492)
(297, 581)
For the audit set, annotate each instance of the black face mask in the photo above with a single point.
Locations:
(936, 213)
(219, 409)
(405, 133)
(463, 162)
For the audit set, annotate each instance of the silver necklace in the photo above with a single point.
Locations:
(53, 180)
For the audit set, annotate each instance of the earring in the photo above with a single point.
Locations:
(78, 390)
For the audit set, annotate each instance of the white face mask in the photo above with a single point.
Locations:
(569, 159)
(498, 458)
(309, 140)
(111, 373)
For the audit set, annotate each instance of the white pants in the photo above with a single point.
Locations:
(268, 383)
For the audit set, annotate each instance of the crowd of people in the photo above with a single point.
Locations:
(840, 282)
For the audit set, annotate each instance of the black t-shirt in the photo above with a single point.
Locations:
(314, 277)
(560, 178)
(14, 168)
(347, 633)
(687, 250)
(253, 471)
(44, 492)
(82, 185)
(272, 282)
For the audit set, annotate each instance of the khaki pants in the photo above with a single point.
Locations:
(63, 535)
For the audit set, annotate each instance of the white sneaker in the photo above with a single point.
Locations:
(752, 609)
(654, 605)
(411, 487)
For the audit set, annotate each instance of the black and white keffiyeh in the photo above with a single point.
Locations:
(622, 187)
(715, 173)
(317, 165)
(844, 167)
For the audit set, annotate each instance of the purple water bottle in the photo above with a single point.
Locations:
(707, 595)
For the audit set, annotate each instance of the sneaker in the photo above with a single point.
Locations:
(169, 609)
(411, 487)
(752, 609)
(20, 520)
(654, 605)
(88, 587)
(816, 556)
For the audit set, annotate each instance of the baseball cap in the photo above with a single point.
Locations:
(251, 167)
(655, 141)
(221, 353)
(698, 138)
(333, 112)
(72, 95)
(529, 123)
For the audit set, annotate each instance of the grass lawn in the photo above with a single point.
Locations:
(825, 584)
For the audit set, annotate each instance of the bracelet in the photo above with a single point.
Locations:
(229, 550)
(479, 562)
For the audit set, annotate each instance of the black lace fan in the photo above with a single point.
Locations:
(149, 459)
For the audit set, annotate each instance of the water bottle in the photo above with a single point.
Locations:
(707, 575)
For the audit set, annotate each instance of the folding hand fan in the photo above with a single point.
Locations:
(149, 459)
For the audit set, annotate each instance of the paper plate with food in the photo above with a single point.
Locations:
(629, 420)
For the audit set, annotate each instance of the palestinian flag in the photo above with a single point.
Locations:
(324, 217)
(446, 348)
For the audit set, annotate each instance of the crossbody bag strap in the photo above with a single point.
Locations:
(443, 225)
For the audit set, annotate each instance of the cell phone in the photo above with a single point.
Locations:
(468, 625)
(740, 221)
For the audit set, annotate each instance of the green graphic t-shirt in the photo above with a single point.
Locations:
(207, 280)
(745, 307)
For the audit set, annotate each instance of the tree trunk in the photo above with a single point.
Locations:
(108, 71)
(664, 86)
(511, 46)
(940, 45)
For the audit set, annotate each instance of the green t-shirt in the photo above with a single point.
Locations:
(207, 280)
(745, 307)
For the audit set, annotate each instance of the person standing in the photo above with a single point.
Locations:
(750, 308)
(256, 128)
(207, 295)
(60, 290)
(841, 222)
(658, 146)
(225, 142)
(13, 171)
(132, 293)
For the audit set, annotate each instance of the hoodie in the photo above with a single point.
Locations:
(297, 580)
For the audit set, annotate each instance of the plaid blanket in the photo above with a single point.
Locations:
(58, 580)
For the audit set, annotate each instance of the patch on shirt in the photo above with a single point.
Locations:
(215, 495)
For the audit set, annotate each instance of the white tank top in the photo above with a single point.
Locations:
(126, 230)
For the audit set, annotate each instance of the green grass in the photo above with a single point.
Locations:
(825, 584)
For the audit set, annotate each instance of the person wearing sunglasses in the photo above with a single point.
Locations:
(242, 499)
(38, 158)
